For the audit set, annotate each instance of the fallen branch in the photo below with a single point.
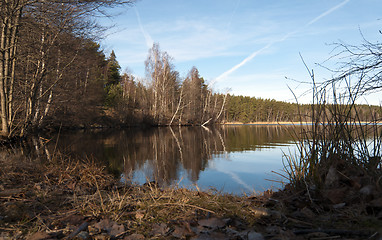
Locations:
(206, 122)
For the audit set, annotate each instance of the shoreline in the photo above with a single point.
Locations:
(294, 123)
(267, 123)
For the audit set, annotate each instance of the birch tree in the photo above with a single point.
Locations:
(163, 83)
(49, 21)
(10, 19)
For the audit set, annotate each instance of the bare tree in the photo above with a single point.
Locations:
(10, 19)
(362, 62)
(164, 84)
(195, 91)
(49, 21)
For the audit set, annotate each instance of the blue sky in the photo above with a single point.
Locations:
(246, 47)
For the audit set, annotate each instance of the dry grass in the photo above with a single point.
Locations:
(142, 206)
(35, 197)
(337, 138)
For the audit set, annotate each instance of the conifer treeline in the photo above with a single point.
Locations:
(250, 109)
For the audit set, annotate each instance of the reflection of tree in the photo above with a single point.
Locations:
(165, 152)
(34, 147)
(247, 137)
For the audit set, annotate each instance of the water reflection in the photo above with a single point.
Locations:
(229, 158)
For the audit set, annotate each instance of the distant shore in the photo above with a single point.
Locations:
(267, 123)
(288, 123)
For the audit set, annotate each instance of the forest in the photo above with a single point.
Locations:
(54, 74)
(250, 109)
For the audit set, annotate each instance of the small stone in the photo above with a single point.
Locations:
(83, 235)
(252, 235)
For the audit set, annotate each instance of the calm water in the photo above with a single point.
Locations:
(233, 159)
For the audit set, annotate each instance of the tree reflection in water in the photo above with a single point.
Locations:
(168, 154)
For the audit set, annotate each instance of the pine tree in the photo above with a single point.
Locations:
(113, 76)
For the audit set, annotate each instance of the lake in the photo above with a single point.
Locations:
(234, 159)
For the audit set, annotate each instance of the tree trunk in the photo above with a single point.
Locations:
(178, 107)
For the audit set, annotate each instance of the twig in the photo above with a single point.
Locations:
(123, 233)
(307, 190)
(373, 235)
(81, 228)
(298, 221)
(184, 205)
(17, 199)
(7, 229)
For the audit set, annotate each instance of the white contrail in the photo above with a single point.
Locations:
(286, 36)
(149, 40)
(237, 179)
(247, 59)
(233, 14)
(327, 12)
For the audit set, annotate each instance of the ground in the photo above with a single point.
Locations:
(77, 199)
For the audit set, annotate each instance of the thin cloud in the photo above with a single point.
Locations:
(149, 40)
(286, 36)
(189, 39)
